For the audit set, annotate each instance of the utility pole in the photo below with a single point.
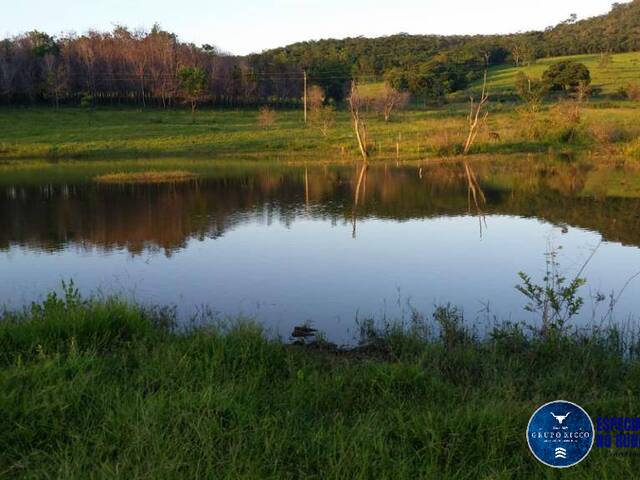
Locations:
(305, 95)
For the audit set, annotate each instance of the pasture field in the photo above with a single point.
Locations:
(103, 133)
(621, 70)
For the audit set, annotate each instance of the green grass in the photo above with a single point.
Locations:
(117, 134)
(623, 69)
(73, 133)
(100, 388)
(148, 176)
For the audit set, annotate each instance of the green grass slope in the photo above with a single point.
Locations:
(623, 69)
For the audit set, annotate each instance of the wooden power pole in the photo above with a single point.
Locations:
(305, 95)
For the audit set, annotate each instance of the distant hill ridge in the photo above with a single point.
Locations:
(616, 32)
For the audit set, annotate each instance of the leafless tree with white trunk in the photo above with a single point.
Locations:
(477, 115)
(389, 100)
(356, 105)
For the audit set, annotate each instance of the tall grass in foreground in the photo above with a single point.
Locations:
(94, 388)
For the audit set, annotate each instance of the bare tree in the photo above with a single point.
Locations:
(474, 189)
(583, 91)
(389, 100)
(55, 78)
(266, 117)
(88, 58)
(8, 71)
(315, 97)
(140, 66)
(162, 64)
(356, 105)
(522, 53)
(477, 115)
(321, 116)
(516, 53)
(139, 58)
(360, 185)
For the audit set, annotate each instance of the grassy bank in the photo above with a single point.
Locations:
(40, 133)
(105, 389)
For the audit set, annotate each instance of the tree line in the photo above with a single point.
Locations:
(154, 68)
(430, 66)
(137, 67)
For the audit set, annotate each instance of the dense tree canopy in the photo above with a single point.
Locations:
(142, 67)
(433, 65)
(566, 76)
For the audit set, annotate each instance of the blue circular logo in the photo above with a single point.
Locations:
(560, 434)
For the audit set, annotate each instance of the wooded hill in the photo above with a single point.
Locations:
(453, 62)
(148, 68)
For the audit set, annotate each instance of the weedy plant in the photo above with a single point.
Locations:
(266, 117)
(566, 119)
(633, 91)
(557, 298)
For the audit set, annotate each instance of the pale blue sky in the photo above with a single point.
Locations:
(244, 26)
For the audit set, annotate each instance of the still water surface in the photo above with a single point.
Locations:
(288, 245)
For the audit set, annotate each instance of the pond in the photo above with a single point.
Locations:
(293, 244)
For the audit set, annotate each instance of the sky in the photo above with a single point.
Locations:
(245, 26)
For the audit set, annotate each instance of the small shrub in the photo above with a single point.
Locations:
(621, 94)
(606, 133)
(323, 118)
(453, 331)
(316, 97)
(532, 91)
(556, 299)
(633, 91)
(446, 142)
(606, 59)
(633, 149)
(606, 105)
(530, 124)
(266, 117)
(86, 100)
(566, 120)
(583, 91)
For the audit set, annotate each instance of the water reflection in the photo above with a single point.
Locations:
(320, 242)
(137, 217)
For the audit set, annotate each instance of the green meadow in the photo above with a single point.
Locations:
(415, 134)
(604, 123)
(621, 70)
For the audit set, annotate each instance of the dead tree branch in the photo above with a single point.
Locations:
(477, 115)
(356, 103)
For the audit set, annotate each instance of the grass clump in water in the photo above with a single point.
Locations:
(153, 176)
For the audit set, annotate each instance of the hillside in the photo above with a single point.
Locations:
(126, 66)
(623, 69)
(617, 31)
(431, 66)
